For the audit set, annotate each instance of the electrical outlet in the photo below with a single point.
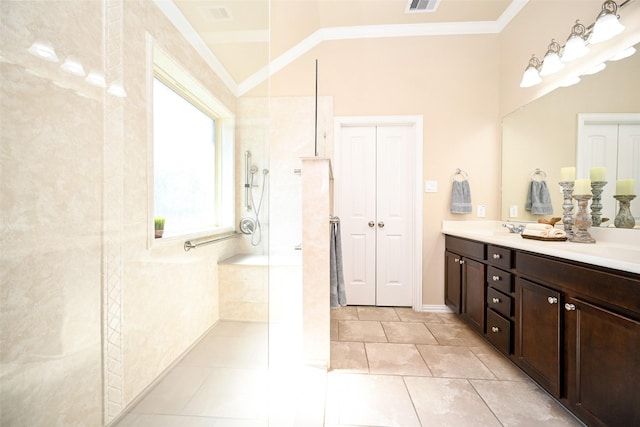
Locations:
(431, 186)
(481, 211)
(513, 211)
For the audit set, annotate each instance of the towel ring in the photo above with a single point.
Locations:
(537, 172)
(461, 173)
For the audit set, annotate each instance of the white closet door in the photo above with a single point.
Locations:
(599, 147)
(357, 209)
(629, 160)
(376, 207)
(394, 209)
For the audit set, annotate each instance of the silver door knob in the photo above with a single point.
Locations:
(570, 307)
(381, 224)
(372, 224)
(552, 300)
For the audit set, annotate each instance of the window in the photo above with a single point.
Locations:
(192, 154)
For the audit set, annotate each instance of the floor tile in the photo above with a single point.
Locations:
(368, 400)
(453, 362)
(334, 323)
(523, 404)
(232, 393)
(408, 332)
(365, 331)
(407, 314)
(449, 402)
(454, 334)
(228, 351)
(377, 313)
(160, 420)
(345, 313)
(174, 391)
(348, 357)
(395, 359)
(497, 363)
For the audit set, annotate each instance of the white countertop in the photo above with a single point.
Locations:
(614, 248)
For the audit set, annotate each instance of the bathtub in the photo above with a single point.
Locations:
(260, 288)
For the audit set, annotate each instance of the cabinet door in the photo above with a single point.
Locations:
(452, 281)
(473, 293)
(603, 365)
(538, 336)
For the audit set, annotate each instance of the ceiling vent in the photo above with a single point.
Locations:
(422, 6)
(219, 13)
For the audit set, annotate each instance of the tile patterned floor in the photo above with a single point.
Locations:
(389, 367)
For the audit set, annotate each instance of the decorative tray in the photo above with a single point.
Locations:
(545, 239)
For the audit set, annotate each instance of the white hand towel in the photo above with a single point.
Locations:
(538, 226)
(535, 233)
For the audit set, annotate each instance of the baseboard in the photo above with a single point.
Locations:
(436, 308)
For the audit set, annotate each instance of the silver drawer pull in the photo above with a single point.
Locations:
(456, 260)
(570, 307)
(495, 329)
(495, 278)
(496, 300)
(461, 261)
(497, 256)
(552, 300)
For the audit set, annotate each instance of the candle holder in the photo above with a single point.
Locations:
(624, 219)
(583, 220)
(596, 206)
(567, 207)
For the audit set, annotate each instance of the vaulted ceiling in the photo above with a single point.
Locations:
(242, 37)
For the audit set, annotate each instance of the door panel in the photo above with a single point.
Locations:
(357, 174)
(376, 207)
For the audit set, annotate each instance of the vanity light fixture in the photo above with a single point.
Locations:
(96, 79)
(117, 89)
(594, 70)
(575, 46)
(43, 50)
(73, 66)
(607, 23)
(624, 54)
(570, 81)
(551, 62)
(531, 75)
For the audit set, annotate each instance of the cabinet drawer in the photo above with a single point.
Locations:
(499, 331)
(499, 256)
(466, 247)
(499, 279)
(499, 302)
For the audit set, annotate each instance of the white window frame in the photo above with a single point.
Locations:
(173, 74)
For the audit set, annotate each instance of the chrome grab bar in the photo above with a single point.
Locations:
(188, 245)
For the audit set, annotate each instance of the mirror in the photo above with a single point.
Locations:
(543, 135)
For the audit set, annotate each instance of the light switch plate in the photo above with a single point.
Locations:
(513, 211)
(431, 186)
(481, 211)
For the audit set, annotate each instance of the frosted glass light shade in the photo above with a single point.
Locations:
(551, 64)
(574, 49)
(606, 27)
(624, 54)
(530, 77)
(596, 69)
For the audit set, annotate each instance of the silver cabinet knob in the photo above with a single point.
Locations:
(461, 261)
(496, 256)
(495, 329)
(495, 278)
(552, 300)
(371, 224)
(381, 224)
(570, 307)
(496, 300)
(456, 260)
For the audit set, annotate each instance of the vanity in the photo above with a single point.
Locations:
(567, 314)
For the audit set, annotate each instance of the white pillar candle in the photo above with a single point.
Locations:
(582, 186)
(567, 174)
(625, 187)
(598, 173)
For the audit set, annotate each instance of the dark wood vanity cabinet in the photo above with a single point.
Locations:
(573, 328)
(465, 280)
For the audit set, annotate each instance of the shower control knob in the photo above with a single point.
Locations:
(381, 224)
(372, 224)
